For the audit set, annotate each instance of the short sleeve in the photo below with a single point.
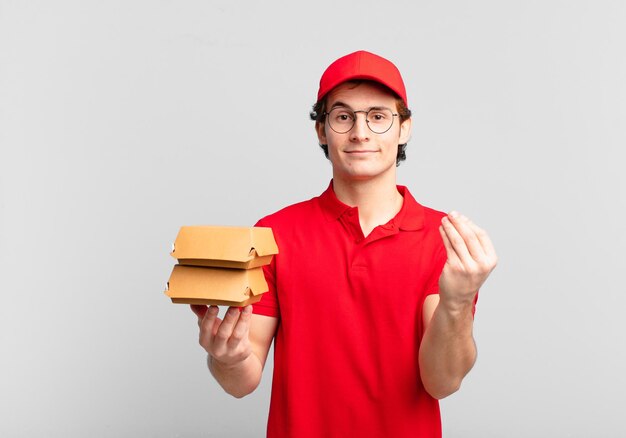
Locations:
(268, 305)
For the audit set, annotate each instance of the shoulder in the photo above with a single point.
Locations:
(294, 213)
(292, 225)
(427, 221)
(418, 214)
(432, 217)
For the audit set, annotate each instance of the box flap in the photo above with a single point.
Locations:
(256, 281)
(238, 244)
(263, 242)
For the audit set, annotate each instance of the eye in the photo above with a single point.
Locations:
(343, 116)
(377, 116)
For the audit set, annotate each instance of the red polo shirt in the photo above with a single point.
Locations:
(350, 310)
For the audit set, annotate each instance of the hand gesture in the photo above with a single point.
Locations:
(227, 341)
(471, 258)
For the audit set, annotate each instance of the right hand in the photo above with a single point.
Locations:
(227, 341)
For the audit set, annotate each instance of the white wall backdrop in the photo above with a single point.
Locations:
(120, 121)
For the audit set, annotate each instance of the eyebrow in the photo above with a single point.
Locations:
(340, 104)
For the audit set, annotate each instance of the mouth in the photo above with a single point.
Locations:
(360, 152)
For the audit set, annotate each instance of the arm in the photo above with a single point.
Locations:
(448, 351)
(237, 346)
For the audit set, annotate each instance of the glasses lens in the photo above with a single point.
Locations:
(379, 120)
(341, 120)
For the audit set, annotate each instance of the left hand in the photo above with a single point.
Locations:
(471, 258)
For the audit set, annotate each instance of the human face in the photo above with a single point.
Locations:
(360, 154)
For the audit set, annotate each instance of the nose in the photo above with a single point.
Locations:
(360, 131)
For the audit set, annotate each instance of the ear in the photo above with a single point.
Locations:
(320, 128)
(405, 131)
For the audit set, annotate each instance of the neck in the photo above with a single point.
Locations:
(378, 200)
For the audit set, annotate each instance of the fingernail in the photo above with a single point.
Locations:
(454, 214)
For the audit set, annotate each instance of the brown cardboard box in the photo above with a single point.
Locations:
(216, 286)
(225, 247)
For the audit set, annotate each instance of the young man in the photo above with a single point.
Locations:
(372, 296)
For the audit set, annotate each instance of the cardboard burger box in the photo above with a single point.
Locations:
(215, 286)
(224, 247)
(220, 265)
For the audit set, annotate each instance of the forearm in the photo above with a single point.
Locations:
(240, 379)
(448, 351)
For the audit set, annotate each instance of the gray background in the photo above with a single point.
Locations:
(120, 121)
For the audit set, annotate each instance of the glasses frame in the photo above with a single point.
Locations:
(367, 122)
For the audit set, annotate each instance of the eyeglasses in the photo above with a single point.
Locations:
(341, 120)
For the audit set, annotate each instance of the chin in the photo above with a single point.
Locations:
(361, 173)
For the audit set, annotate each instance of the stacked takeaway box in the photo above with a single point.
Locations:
(220, 265)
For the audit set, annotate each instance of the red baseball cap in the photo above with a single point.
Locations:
(362, 65)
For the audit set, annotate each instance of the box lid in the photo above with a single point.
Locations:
(238, 244)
